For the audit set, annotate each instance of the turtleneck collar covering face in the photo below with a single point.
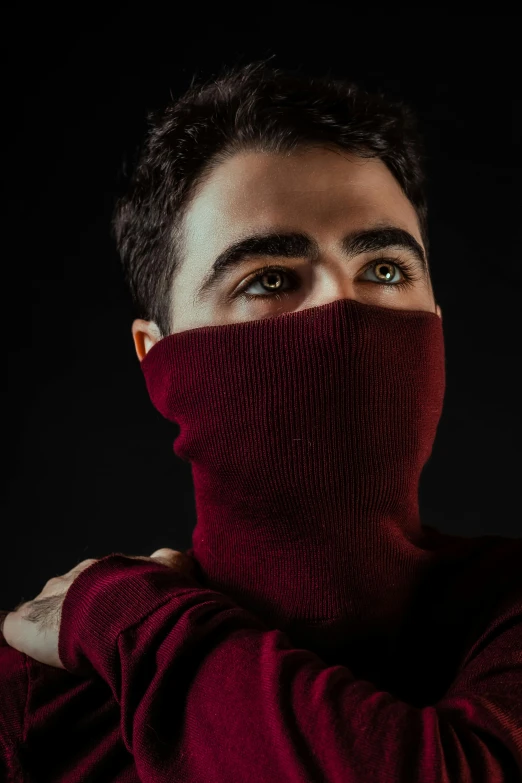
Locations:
(307, 434)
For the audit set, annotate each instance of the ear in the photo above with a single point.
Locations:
(145, 334)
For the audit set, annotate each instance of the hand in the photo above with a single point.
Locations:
(33, 627)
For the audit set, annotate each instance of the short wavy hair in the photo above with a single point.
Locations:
(251, 107)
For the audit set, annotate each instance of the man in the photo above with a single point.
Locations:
(275, 241)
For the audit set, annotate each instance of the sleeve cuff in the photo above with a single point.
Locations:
(107, 598)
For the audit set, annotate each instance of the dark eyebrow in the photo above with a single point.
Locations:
(300, 245)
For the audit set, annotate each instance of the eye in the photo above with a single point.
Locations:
(393, 273)
(383, 269)
(270, 277)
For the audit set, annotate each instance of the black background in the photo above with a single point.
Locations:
(89, 467)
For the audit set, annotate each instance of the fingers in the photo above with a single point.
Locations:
(3, 615)
(33, 639)
(11, 629)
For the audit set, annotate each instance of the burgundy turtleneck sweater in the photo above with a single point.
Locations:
(332, 636)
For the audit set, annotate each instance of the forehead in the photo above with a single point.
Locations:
(322, 191)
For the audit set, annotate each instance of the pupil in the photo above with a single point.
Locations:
(270, 276)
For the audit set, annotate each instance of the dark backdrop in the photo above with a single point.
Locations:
(89, 466)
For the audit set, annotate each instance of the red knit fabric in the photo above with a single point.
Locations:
(307, 434)
(334, 637)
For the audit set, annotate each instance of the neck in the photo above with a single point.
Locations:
(322, 561)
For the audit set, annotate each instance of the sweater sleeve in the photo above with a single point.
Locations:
(13, 695)
(209, 694)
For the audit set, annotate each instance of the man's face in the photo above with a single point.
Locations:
(331, 198)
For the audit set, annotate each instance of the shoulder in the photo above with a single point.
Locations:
(486, 566)
(474, 583)
(496, 567)
(487, 589)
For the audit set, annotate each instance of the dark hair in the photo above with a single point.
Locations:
(253, 107)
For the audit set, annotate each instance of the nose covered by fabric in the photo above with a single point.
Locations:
(307, 434)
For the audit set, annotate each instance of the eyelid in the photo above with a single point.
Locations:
(261, 271)
(407, 268)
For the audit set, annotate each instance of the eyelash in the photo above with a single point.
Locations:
(407, 270)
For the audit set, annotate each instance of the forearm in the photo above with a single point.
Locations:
(208, 693)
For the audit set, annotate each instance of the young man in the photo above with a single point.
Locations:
(274, 239)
